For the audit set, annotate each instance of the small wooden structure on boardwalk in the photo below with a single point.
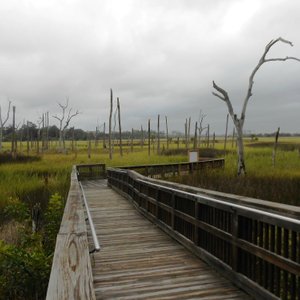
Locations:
(138, 261)
(254, 243)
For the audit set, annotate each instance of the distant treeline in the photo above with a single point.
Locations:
(30, 131)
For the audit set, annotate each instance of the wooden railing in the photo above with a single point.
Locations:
(172, 169)
(259, 251)
(91, 171)
(71, 273)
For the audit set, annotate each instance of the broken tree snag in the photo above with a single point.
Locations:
(195, 135)
(167, 132)
(158, 136)
(275, 146)
(226, 131)
(239, 121)
(109, 124)
(120, 129)
(149, 138)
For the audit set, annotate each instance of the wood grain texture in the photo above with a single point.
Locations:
(138, 261)
(71, 274)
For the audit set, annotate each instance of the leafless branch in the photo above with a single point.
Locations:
(260, 63)
(224, 98)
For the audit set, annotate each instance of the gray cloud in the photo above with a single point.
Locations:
(160, 57)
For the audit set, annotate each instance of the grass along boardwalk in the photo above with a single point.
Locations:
(138, 261)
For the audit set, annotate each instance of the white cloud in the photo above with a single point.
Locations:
(159, 56)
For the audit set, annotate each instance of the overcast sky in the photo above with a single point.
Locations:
(158, 56)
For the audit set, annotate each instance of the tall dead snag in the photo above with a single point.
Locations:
(104, 144)
(142, 137)
(185, 134)
(120, 129)
(195, 135)
(109, 124)
(158, 135)
(149, 130)
(3, 122)
(13, 136)
(232, 140)
(64, 121)
(239, 121)
(167, 132)
(275, 146)
(131, 141)
(189, 133)
(201, 127)
(226, 133)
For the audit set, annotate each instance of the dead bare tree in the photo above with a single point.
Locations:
(275, 146)
(149, 130)
(64, 121)
(239, 121)
(201, 127)
(226, 133)
(3, 122)
(158, 135)
(109, 124)
(167, 132)
(13, 137)
(120, 128)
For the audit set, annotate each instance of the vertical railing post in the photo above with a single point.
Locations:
(196, 219)
(157, 201)
(173, 211)
(234, 240)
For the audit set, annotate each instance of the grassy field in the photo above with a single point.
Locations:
(44, 179)
(35, 181)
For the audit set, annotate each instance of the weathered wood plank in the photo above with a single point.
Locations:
(139, 261)
(71, 273)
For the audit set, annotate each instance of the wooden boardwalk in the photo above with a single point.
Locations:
(139, 261)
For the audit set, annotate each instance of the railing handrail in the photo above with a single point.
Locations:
(71, 273)
(97, 246)
(169, 164)
(230, 205)
(257, 249)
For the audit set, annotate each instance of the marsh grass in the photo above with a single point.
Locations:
(263, 181)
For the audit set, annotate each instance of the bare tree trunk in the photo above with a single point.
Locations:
(13, 138)
(185, 134)
(149, 137)
(131, 143)
(47, 131)
(120, 129)
(73, 138)
(158, 136)
(241, 161)
(189, 133)
(233, 135)
(195, 135)
(167, 132)
(27, 134)
(214, 140)
(89, 146)
(275, 146)
(104, 144)
(208, 136)
(109, 124)
(226, 130)
(142, 137)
